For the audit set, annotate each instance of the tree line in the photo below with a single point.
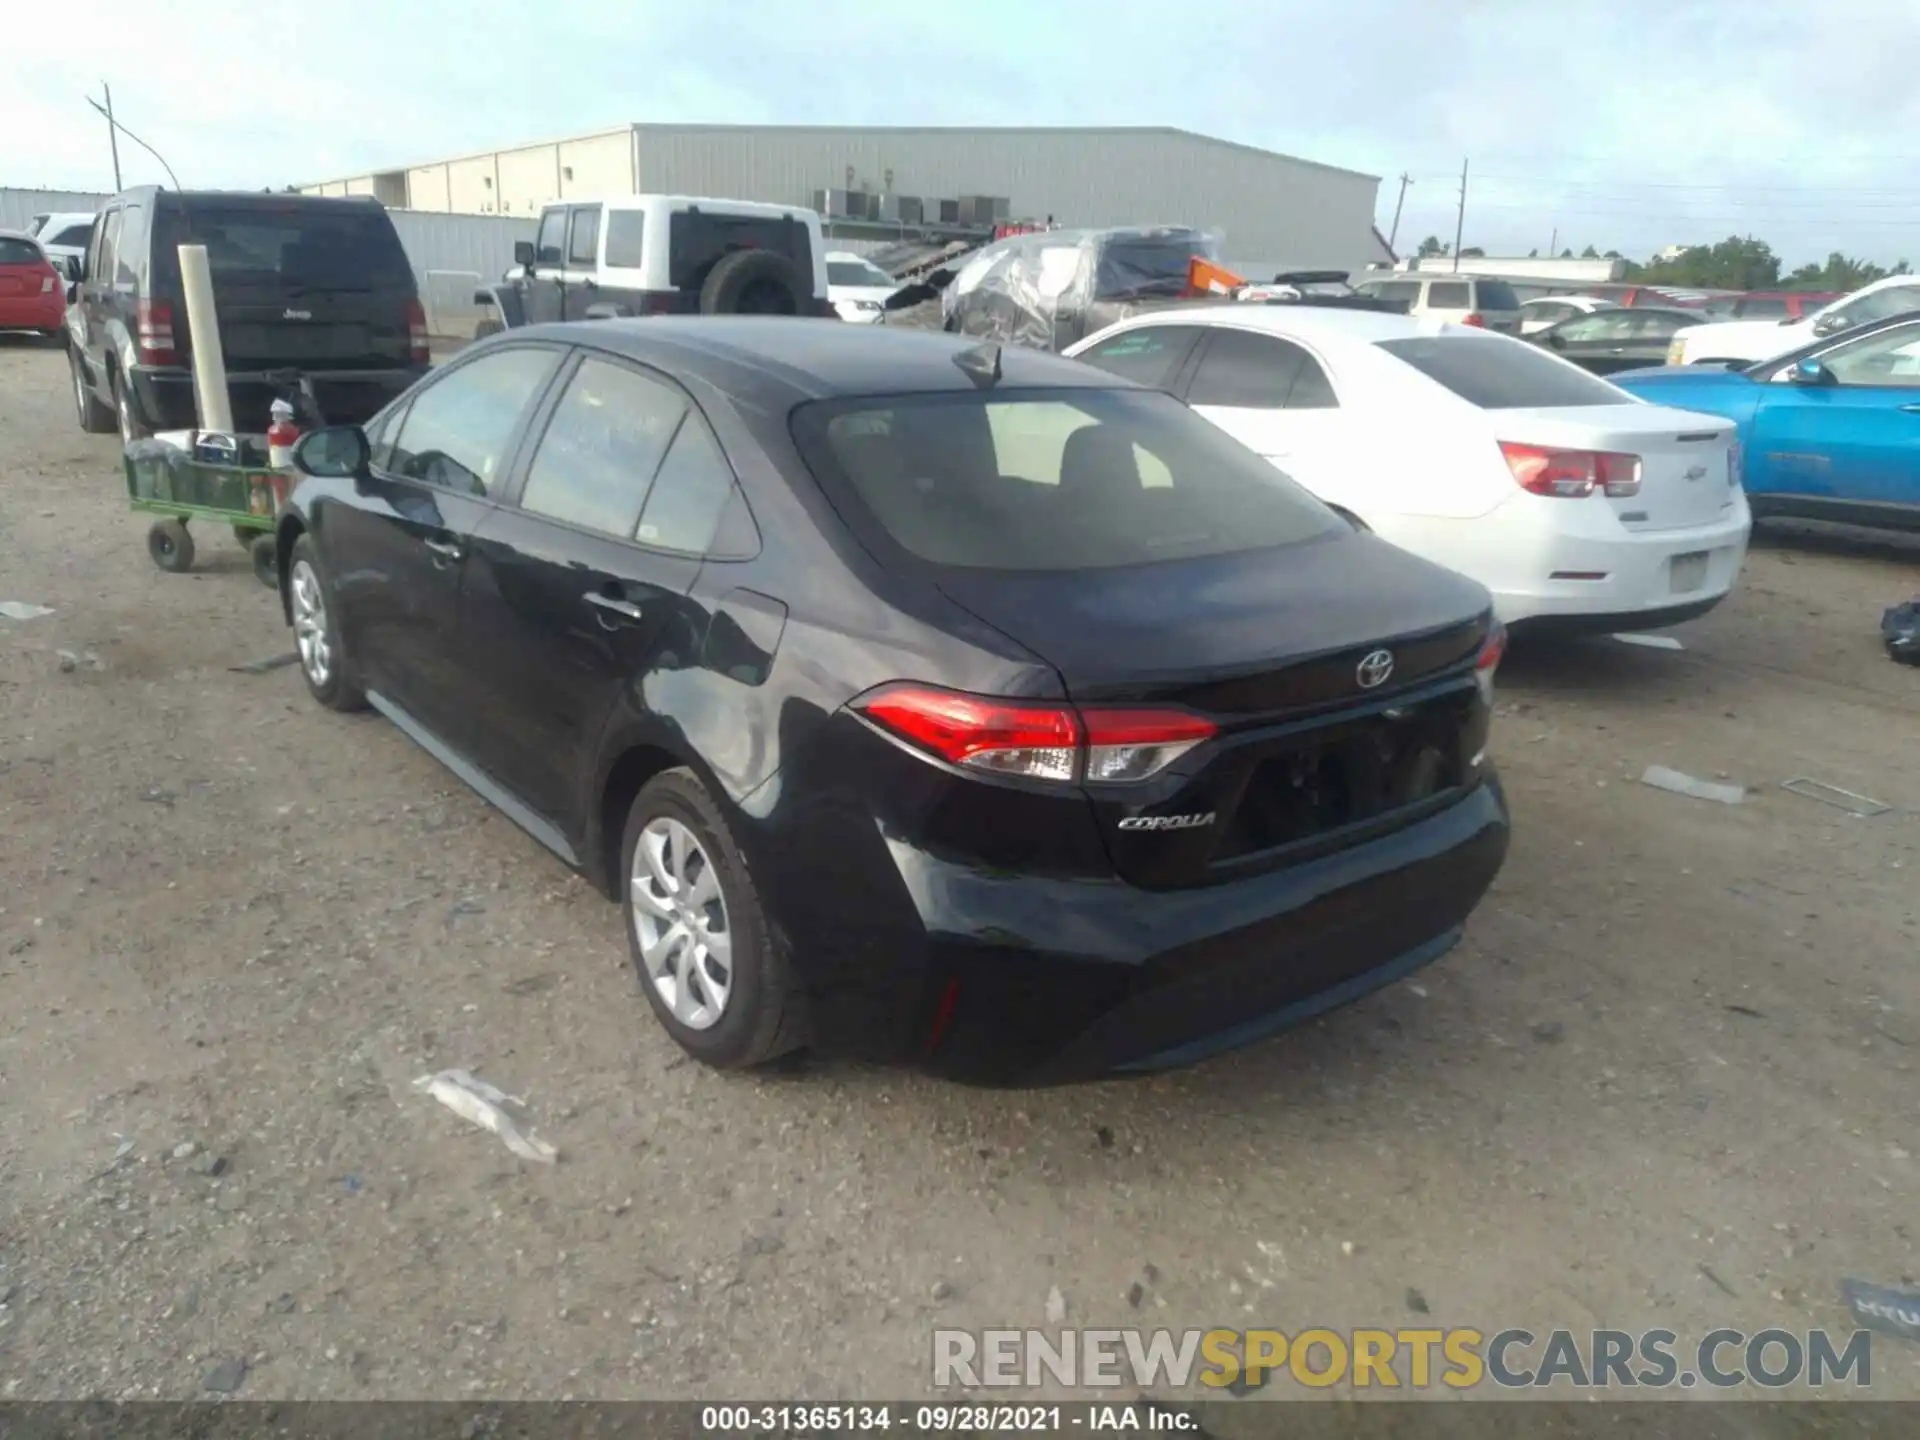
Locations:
(1735, 263)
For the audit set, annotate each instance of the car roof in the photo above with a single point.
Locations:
(717, 203)
(1308, 321)
(781, 361)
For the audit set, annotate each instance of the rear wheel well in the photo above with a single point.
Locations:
(628, 777)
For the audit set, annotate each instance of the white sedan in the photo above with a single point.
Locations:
(1569, 499)
(857, 288)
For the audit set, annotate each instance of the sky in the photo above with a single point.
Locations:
(1628, 124)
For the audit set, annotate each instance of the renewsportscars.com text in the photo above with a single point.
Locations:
(1414, 1359)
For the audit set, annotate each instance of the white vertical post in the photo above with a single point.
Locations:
(203, 326)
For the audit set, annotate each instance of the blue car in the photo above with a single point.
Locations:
(1830, 431)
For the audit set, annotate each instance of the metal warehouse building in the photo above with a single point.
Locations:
(1272, 210)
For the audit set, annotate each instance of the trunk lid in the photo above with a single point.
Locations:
(1269, 646)
(1687, 475)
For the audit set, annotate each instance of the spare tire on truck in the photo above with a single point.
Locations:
(756, 282)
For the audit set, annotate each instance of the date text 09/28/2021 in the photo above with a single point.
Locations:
(937, 1419)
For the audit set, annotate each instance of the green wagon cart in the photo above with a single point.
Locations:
(165, 480)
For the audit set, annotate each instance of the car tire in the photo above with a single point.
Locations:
(95, 418)
(731, 1014)
(330, 675)
(130, 426)
(264, 552)
(755, 282)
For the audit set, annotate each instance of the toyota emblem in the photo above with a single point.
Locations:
(1374, 669)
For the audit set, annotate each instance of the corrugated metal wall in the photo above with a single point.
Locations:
(1306, 215)
(18, 207)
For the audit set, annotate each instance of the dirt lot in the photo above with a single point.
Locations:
(1668, 1081)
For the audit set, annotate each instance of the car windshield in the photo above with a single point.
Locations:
(1496, 373)
(1050, 479)
(16, 251)
(856, 272)
(338, 247)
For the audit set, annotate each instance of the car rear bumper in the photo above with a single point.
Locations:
(1037, 981)
(33, 312)
(164, 396)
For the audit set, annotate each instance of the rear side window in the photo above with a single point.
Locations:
(1405, 292)
(336, 246)
(601, 448)
(626, 236)
(1149, 356)
(1245, 371)
(1050, 479)
(1449, 295)
(692, 488)
(696, 239)
(455, 434)
(1500, 374)
(1496, 295)
(15, 251)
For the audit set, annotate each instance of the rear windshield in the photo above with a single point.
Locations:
(338, 247)
(1496, 373)
(15, 251)
(696, 239)
(1051, 479)
(1497, 295)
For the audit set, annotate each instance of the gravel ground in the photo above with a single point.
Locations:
(1668, 1080)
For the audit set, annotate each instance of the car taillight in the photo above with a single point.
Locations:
(1571, 474)
(1036, 741)
(417, 332)
(1477, 320)
(49, 280)
(1676, 351)
(153, 333)
(1492, 651)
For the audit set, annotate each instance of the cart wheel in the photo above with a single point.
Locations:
(171, 546)
(266, 561)
(246, 535)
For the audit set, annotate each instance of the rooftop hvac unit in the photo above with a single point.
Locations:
(901, 209)
(949, 212)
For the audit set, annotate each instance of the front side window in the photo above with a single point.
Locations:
(601, 448)
(1591, 329)
(1890, 358)
(550, 248)
(1037, 480)
(1879, 305)
(1148, 356)
(457, 431)
(583, 248)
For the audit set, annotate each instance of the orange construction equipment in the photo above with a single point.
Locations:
(1206, 278)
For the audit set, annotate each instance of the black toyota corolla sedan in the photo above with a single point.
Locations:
(918, 700)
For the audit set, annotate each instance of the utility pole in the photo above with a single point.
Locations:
(1394, 233)
(1553, 243)
(113, 136)
(1460, 221)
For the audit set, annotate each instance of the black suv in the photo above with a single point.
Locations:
(304, 285)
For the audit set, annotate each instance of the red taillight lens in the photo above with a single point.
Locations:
(1571, 474)
(417, 332)
(1492, 651)
(1036, 741)
(153, 333)
(1476, 320)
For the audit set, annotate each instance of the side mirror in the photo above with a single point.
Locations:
(339, 452)
(1829, 324)
(74, 269)
(523, 252)
(1810, 372)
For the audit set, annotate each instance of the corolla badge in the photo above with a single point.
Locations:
(1167, 822)
(1374, 669)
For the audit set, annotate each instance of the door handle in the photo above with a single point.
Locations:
(613, 604)
(450, 549)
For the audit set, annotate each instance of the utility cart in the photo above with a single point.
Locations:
(185, 478)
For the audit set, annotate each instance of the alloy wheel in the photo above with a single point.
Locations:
(680, 920)
(310, 624)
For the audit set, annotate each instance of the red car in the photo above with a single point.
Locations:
(32, 294)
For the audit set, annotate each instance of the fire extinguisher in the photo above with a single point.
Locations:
(280, 436)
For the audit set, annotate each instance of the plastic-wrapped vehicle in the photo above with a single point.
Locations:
(1052, 288)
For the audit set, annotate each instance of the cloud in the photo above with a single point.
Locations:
(1627, 125)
